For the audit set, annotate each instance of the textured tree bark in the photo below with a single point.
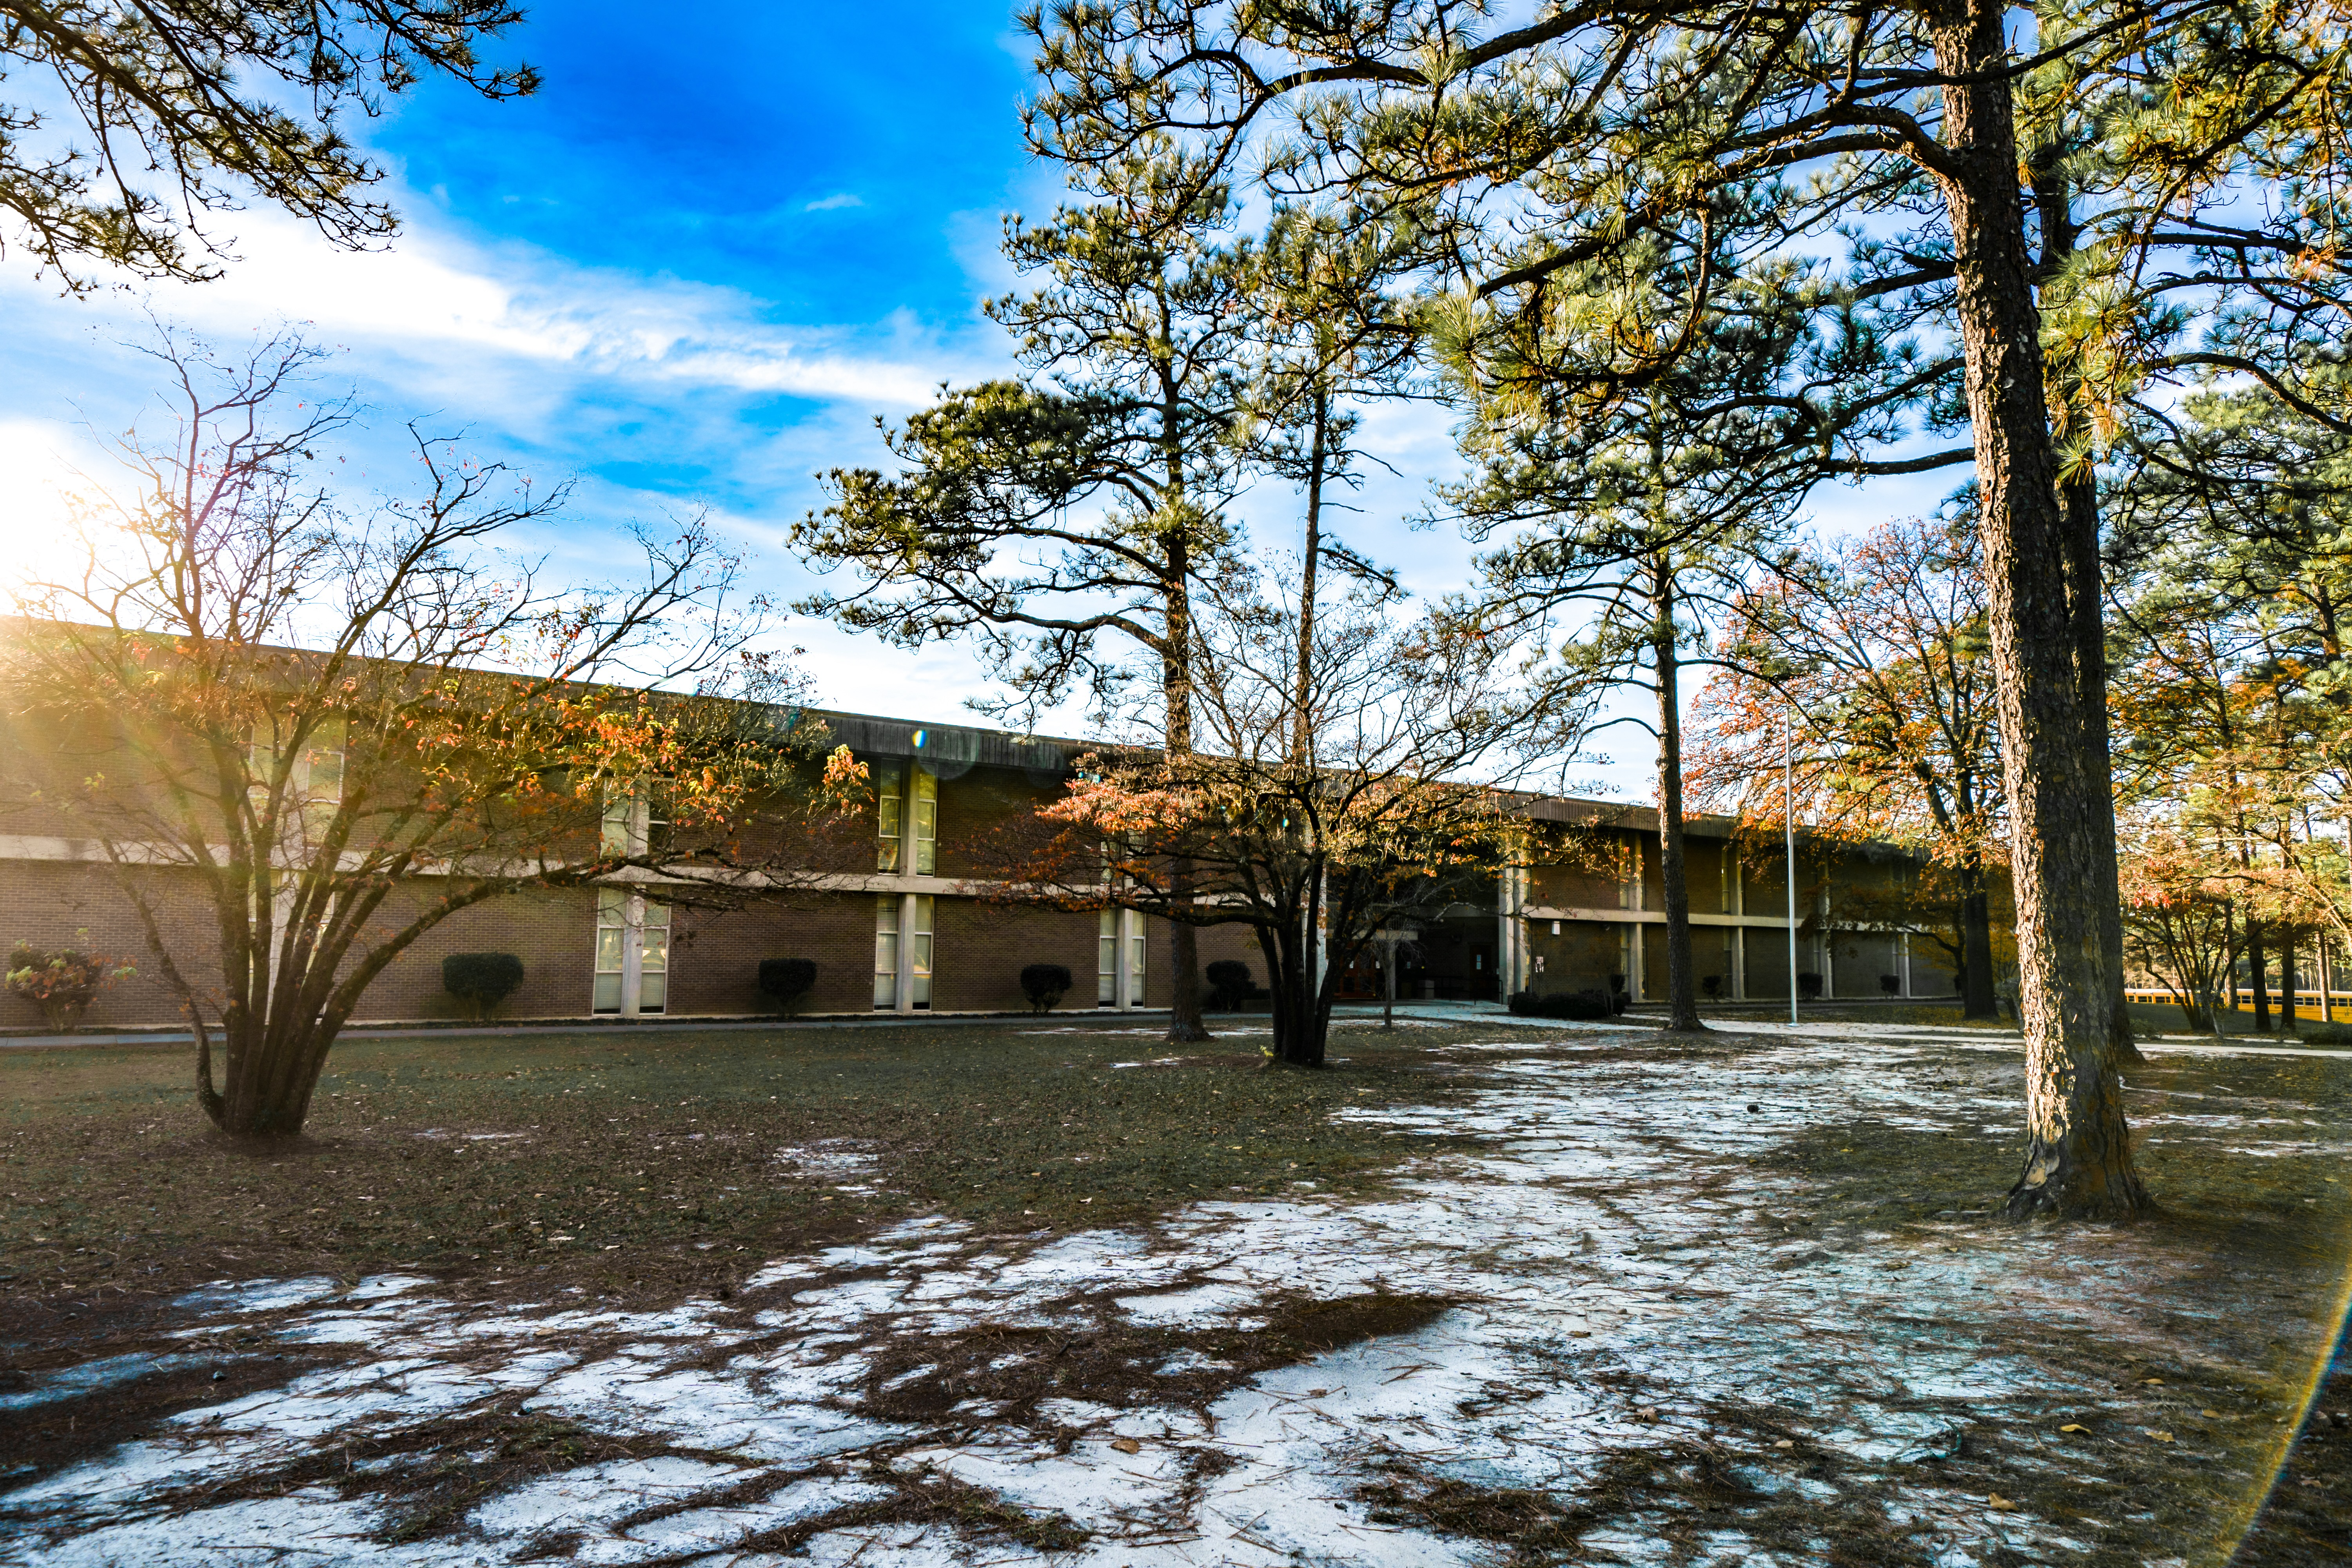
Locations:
(1682, 988)
(1185, 1026)
(2087, 589)
(2258, 970)
(1301, 1027)
(1977, 999)
(2078, 1154)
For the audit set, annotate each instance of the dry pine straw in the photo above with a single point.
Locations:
(663, 1151)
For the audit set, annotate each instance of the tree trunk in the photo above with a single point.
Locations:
(1302, 739)
(2288, 1025)
(1682, 988)
(1300, 1025)
(2078, 1153)
(2258, 970)
(2087, 589)
(1185, 1026)
(266, 1079)
(1977, 999)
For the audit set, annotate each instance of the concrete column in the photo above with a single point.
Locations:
(1511, 931)
(633, 953)
(1122, 975)
(1829, 951)
(1739, 962)
(1639, 964)
(903, 994)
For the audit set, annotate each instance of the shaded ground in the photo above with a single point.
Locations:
(1483, 1294)
(481, 1158)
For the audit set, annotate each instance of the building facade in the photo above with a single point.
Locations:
(918, 935)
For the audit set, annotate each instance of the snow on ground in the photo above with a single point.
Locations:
(1615, 1286)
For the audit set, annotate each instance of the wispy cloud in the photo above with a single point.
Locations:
(834, 202)
(436, 300)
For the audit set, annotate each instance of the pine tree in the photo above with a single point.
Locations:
(1976, 182)
(1066, 522)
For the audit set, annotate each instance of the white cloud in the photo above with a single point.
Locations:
(434, 298)
(834, 202)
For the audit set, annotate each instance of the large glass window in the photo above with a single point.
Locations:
(1107, 961)
(926, 822)
(653, 959)
(625, 920)
(907, 818)
(611, 938)
(885, 950)
(1108, 943)
(890, 809)
(922, 939)
(891, 946)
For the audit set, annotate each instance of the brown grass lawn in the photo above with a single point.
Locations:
(654, 1156)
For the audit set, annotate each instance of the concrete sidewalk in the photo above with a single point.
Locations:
(578, 1026)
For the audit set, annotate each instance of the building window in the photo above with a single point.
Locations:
(1107, 961)
(635, 822)
(1628, 874)
(895, 948)
(631, 953)
(926, 815)
(314, 784)
(1114, 925)
(653, 958)
(612, 935)
(906, 806)
(890, 807)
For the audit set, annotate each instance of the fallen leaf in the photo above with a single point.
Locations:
(2161, 1437)
(2153, 1382)
(1999, 1503)
(1784, 1442)
(2074, 1426)
(1127, 1445)
(2211, 1415)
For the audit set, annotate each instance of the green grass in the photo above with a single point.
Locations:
(656, 1154)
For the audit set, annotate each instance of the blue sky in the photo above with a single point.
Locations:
(689, 272)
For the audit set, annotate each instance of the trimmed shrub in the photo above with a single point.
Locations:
(62, 982)
(481, 980)
(1890, 984)
(1229, 983)
(787, 980)
(1585, 1005)
(1045, 984)
(1809, 985)
(2314, 1032)
(1712, 984)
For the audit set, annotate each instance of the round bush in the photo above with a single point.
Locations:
(482, 980)
(1229, 983)
(1585, 1005)
(787, 979)
(1045, 984)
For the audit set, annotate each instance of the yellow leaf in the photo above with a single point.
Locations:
(1127, 1445)
(2072, 1426)
(1999, 1503)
